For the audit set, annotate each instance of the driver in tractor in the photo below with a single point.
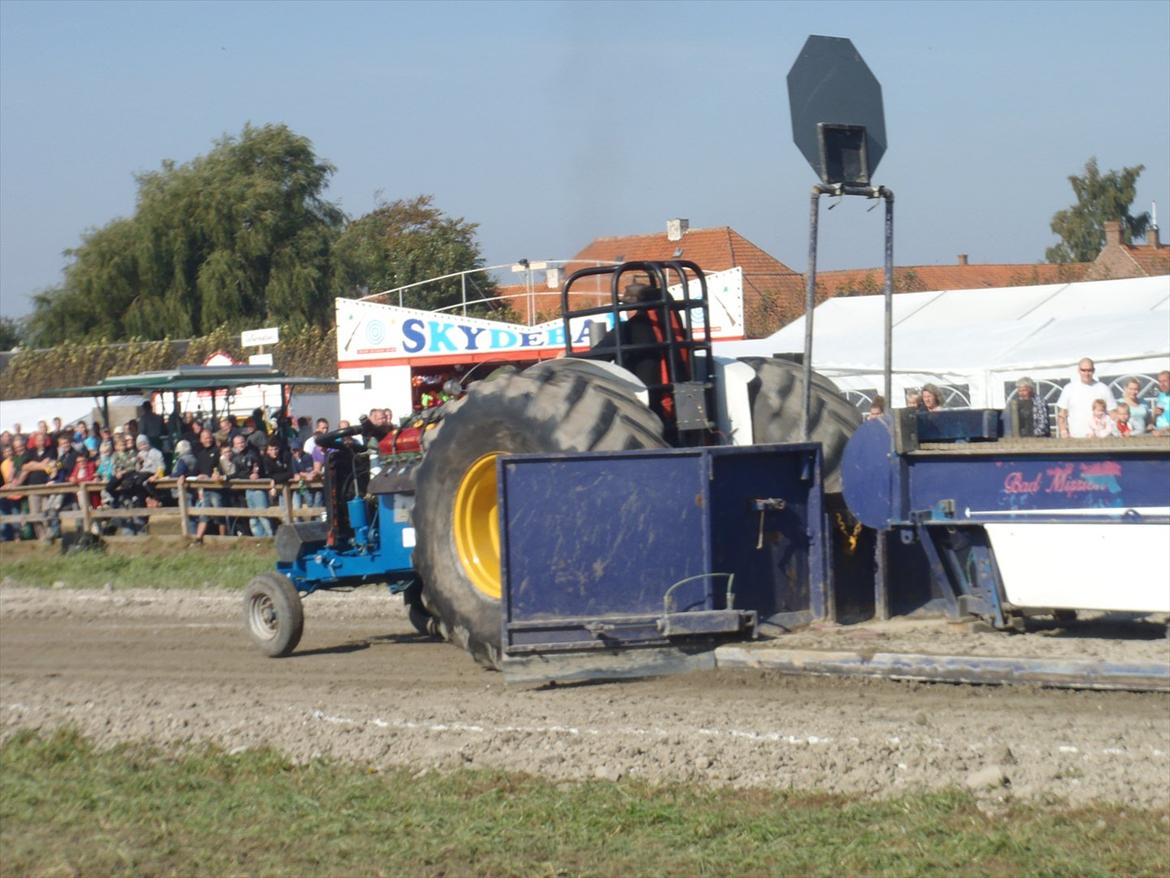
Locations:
(648, 348)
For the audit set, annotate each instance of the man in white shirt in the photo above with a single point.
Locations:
(1075, 406)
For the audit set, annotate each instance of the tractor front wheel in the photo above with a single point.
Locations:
(273, 614)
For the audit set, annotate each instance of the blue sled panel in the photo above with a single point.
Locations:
(1038, 480)
(646, 548)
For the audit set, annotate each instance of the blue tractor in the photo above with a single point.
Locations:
(427, 524)
(367, 537)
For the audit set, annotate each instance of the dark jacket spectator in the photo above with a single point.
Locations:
(241, 460)
(273, 467)
(207, 455)
(151, 425)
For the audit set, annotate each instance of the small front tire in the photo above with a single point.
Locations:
(273, 614)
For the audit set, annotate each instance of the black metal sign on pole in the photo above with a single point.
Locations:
(839, 126)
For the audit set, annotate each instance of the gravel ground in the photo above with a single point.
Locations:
(175, 667)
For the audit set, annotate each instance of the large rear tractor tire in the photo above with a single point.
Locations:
(457, 554)
(777, 399)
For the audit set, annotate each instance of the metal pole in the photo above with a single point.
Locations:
(889, 294)
(810, 292)
(463, 287)
(881, 597)
(881, 591)
(184, 512)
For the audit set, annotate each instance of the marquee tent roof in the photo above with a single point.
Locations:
(978, 342)
(987, 329)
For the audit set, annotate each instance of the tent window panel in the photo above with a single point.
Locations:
(862, 399)
(956, 396)
(1147, 385)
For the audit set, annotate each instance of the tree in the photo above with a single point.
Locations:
(906, 280)
(405, 242)
(1100, 198)
(241, 235)
(867, 285)
(11, 334)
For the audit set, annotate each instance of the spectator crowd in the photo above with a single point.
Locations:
(1086, 408)
(129, 461)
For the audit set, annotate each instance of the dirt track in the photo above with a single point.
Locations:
(176, 667)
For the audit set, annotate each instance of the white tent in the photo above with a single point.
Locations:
(70, 410)
(978, 342)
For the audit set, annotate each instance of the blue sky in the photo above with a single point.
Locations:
(550, 124)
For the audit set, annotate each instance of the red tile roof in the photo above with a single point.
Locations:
(1152, 261)
(912, 278)
(714, 249)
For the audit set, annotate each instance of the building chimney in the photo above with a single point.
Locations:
(676, 228)
(1112, 233)
(962, 259)
(1152, 238)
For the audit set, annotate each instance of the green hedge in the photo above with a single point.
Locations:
(311, 351)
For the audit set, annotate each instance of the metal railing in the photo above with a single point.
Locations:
(530, 289)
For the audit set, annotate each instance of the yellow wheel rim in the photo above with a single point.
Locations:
(477, 526)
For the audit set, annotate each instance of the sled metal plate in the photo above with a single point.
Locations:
(707, 622)
(647, 548)
(611, 664)
(985, 670)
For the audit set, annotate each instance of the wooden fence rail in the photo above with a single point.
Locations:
(88, 516)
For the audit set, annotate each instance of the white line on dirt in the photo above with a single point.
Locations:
(763, 737)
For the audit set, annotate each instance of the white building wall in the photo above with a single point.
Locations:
(389, 387)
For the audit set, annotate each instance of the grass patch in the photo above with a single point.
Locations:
(146, 564)
(66, 808)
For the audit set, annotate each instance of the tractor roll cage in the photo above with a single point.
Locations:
(664, 304)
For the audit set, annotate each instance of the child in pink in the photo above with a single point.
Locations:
(1101, 426)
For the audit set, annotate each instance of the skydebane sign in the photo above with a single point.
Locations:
(439, 336)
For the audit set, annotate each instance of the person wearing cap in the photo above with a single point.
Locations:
(149, 459)
(185, 466)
